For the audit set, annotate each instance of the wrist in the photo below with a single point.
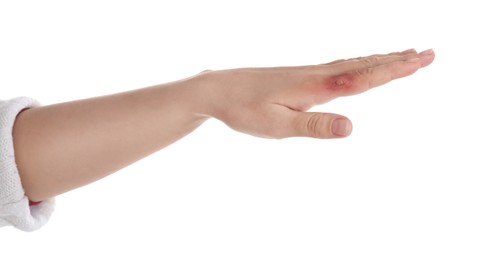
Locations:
(206, 95)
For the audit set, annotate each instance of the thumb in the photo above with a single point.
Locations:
(320, 125)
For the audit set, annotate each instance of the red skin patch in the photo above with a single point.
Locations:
(335, 86)
(342, 82)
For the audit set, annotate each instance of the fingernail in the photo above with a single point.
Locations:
(426, 52)
(426, 57)
(341, 127)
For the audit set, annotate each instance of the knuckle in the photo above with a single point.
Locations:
(368, 62)
(314, 126)
(364, 71)
(365, 65)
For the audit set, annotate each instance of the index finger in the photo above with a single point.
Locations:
(358, 75)
(375, 56)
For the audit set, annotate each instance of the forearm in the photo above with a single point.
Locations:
(63, 146)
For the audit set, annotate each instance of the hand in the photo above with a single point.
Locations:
(271, 102)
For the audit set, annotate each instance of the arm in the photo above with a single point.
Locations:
(64, 146)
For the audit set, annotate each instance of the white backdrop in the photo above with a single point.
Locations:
(409, 183)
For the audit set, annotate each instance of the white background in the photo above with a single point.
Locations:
(409, 183)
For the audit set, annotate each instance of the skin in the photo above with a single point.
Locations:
(64, 146)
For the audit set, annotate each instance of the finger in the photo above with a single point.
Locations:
(321, 125)
(370, 78)
(357, 81)
(376, 56)
(315, 125)
(377, 60)
(360, 77)
(382, 74)
(369, 62)
(427, 57)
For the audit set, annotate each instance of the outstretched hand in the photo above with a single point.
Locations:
(272, 102)
(78, 142)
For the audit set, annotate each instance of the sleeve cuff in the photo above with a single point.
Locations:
(15, 209)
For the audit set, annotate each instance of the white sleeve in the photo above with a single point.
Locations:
(14, 205)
